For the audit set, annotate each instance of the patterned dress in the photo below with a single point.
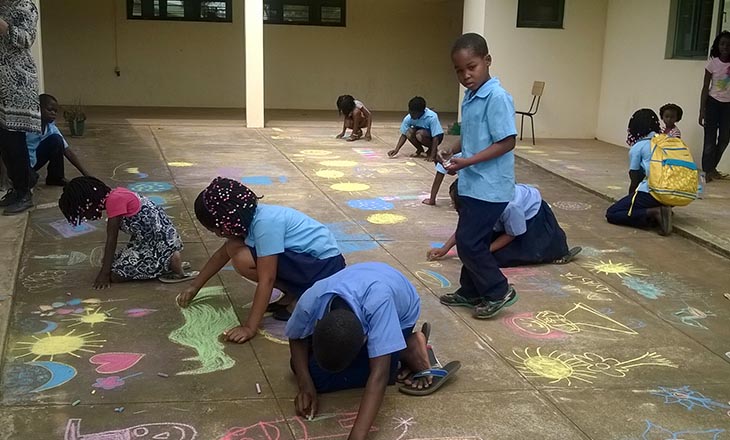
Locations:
(19, 108)
(153, 241)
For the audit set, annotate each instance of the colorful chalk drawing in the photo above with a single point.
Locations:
(115, 362)
(571, 206)
(688, 398)
(273, 330)
(610, 268)
(440, 244)
(139, 312)
(60, 374)
(66, 230)
(165, 430)
(386, 219)
(351, 238)
(339, 163)
(203, 326)
(370, 204)
(366, 152)
(150, 187)
(549, 324)
(433, 279)
(271, 430)
(562, 366)
(263, 180)
(692, 316)
(35, 377)
(50, 327)
(330, 174)
(350, 187)
(68, 344)
(644, 288)
(112, 382)
(656, 432)
(588, 287)
(316, 153)
(93, 316)
(180, 164)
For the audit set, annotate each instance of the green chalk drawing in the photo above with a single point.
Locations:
(204, 324)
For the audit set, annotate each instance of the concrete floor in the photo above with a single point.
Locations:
(630, 341)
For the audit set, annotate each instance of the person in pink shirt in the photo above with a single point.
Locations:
(154, 246)
(715, 106)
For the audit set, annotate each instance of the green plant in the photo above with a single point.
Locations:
(74, 113)
(454, 129)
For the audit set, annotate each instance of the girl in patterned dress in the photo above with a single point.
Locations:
(154, 246)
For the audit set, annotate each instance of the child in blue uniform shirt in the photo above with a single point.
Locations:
(486, 178)
(422, 128)
(350, 330)
(273, 246)
(526, 233)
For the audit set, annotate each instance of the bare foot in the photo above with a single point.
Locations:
(176, 263)
(429, 202)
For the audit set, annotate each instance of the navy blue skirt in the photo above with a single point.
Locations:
(295, 272)
(543, 242)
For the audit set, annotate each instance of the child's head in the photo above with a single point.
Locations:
(337, 339)
(454, 193)
(83, 199)
(641, 124)
(721, 46)
(345, 104)
(226, 207)
(471, 58)
(670, 114)
(416, 107)
(49, 108)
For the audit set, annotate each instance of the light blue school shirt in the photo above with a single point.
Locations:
(524, 205)
(639, 159)
(34, 140)
(487, 116)
(383, 299)
(429, 120)
(275, 229)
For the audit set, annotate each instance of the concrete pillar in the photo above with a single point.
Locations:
(254, 33)
(475, 15)
(37, 51)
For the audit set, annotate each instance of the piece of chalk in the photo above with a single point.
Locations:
(258, 388)
(119, 409)
(727, 296)
(163, 375)
(68, 293)
(93, 391)
(76, 402)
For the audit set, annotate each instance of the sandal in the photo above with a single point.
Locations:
(569, 257)
(172, 278)
(439, 375)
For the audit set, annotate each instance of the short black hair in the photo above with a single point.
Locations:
(643, 122)
(715, 51)
(668, 107)
(454, 193)
(45, 98)
(337, 339)
(416, 105)
(474, 42)
(345, 104)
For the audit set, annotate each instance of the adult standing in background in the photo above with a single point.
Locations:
(19, 107)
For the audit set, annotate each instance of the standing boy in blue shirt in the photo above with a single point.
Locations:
(422, 128)
(350, 330)
(486, 178)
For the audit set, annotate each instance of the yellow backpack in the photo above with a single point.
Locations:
(673, 176)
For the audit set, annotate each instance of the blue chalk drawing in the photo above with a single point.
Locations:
(348, 247)
(654, 431)
(644, 288)
(263, 180)
(157, 200)
(351, 238)
(370, 204)
(688, 398)
(150, 187)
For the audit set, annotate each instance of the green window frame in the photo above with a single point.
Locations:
(546, 14)
(181, 10)
(306, 12)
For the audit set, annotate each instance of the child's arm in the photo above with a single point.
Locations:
(495, 150)
(500, 242)
(344, 129)
(103, 279)
(703, 96)
(369, 115)
(635, 176)
(435, 141)
(216, 262)
(372, 398)
(445, 153)
(401, 140)
(266, 273)
(305, 403)
(71, 156)
(356, 117)
(437, 253)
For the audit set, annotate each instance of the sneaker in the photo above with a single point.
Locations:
(665, 220)
(21, 204)
(569, 256)
(56, 182)
(488, 309)
(456, 300)
(9, 198)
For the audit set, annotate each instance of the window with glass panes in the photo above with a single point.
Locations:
(181, 10)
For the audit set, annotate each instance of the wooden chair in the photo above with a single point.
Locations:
(537, 89)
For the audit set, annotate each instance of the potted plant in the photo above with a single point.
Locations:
(76, 119)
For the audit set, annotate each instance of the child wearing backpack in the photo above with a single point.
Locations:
(662, 175)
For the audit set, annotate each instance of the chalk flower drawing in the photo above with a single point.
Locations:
(688, 398)
(50, 346)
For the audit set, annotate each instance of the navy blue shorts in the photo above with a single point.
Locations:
(295, 272)
(354, 376)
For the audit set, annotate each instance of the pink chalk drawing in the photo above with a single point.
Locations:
(271, 430)
(111, 382)
(165, 430)
(110, 363)
(138, 313)
(525, 324)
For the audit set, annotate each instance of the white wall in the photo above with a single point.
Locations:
(636, 73)
(569, 60)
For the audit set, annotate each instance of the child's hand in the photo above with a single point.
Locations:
(444, 155)
(183, 298)
(392, 153)
(239, 334)
(305, 404)
(436, 253)
(455, 164)
(702, 119)
(103, 280)
(340, 136)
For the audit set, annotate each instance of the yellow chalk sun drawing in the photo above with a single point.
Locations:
(180, 164)
(554, 366)
(350, 187)
(316, 152)
(619, 269)
(338, 163)
(386, 219)
(92, 317)
(330, 174)
(50, 346)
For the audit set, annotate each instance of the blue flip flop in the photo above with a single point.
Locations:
(440, 376)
